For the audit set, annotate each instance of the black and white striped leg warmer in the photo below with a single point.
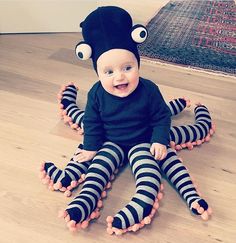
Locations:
(72, 171)
(147, 178)
(179, 177)
(107, 160)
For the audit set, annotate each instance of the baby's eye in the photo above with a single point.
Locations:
(108, 72)
(127, 68)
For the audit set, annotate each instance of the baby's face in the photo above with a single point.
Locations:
(118, 72)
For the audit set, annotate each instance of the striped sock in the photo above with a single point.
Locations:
(107, 160)
(148, 178)
(179, 177)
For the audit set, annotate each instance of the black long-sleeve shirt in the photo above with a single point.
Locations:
(143, 116)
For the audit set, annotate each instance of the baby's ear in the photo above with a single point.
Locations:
(139, 33)
(83, 50)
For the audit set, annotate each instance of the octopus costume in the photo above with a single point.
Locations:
(104, 29)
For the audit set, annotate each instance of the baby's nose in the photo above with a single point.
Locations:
(119, 76)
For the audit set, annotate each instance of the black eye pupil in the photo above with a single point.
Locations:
(80, 54)
(143, 34)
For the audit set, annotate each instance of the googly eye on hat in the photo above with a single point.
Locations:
(107, 28)
(83, 51)
(139, 33)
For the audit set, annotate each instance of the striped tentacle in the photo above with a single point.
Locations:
(190, 135)
(178, 175)
(70, 112)
(178, 105)
(67, 179)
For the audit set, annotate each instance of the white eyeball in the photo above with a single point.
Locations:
(139, 33)
(83, 51)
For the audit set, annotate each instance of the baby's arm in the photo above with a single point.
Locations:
(93, 127)
(160, 118)
(160, 121)
(158, 150)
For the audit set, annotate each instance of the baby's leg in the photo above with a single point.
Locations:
(144, 203)
(178, 175)
(67, 179)
(178, 105)
(85, 206)
(190, 135)
(70, 112)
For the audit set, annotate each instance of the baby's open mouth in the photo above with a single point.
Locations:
(121, 86)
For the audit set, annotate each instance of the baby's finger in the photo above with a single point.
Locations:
(152, 150)
(80, 131)
(157, 155)
(163, 155)
(78, 151)
(77, 156)
(80, 158)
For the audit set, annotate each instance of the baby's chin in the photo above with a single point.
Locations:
(122, 94)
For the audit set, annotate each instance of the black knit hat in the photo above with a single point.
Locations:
(109, 28)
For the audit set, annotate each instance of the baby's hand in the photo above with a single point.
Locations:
(85, 156)
(158, 150)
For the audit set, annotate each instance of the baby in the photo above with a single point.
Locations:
(126, 120)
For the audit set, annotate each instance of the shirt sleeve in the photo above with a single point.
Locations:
(93, 126)
(160, 116)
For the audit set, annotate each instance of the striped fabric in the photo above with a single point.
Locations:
(69, 104)
(178, 134)
(148, 178)
(176, 106)
(107, 160)
(192, 133)
(146, 170)
(147, 173)
(178, 176)
(72, 171)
